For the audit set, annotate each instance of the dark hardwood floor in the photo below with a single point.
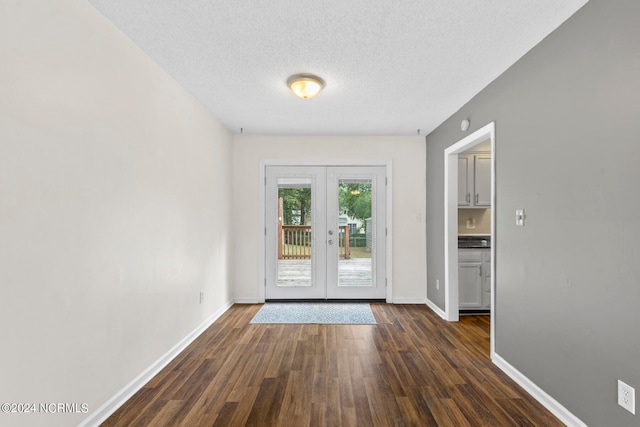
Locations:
(411, 369)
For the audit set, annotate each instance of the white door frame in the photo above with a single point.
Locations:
(451, 309)
(262, 279)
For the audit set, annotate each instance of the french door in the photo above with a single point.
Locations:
(325, 232)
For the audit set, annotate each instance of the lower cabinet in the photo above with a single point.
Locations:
(474, 279)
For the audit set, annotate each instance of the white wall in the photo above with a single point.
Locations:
(409, 194)
(114, 209)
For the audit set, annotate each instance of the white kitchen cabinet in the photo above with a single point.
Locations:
(474, 180)
(474, 279)
(464, 180)
(482, 180)
(470, 279)
(486, 276)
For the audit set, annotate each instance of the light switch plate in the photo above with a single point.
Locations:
(520, 217)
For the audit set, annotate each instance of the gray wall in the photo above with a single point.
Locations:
(567, 284)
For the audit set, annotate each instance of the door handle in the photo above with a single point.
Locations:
(330, 242)
(330, 232)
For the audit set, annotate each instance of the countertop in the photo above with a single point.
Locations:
(477, 241)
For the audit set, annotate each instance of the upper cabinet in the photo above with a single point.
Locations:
(465, 185)
(474, 180)
(482, 180)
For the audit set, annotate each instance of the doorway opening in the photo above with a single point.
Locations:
(451, 203)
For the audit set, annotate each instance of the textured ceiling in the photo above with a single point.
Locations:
(390, 67)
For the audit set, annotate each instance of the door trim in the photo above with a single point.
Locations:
(451, 309)
(262, 278)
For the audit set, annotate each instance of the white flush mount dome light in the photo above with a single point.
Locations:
(305, 86)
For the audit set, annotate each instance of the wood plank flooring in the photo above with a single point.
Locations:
(411, 369)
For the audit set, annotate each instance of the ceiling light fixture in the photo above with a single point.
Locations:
(305, 86)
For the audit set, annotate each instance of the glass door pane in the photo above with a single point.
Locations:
(355, 266)
(295, 246)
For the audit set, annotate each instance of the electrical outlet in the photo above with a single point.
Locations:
(201, 296)
(437, 284)
(627, 397)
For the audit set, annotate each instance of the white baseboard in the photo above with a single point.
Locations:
(436, 309)
(117, 400)
(395, 301)
(248, 301)
(540, 395)
(409, 301)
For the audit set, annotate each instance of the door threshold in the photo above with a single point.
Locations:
(473, 312)
(356, 300)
